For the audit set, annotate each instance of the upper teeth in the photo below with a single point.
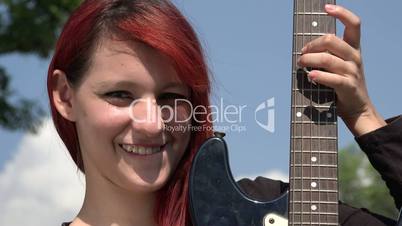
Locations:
(140, 149)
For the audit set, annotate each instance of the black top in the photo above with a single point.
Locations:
(383, 148)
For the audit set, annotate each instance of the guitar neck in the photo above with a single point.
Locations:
(313, 151)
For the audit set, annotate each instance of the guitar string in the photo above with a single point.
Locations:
(318, 129)
(329, 22)
(336, 142)
(332, 99)
(326, 118)
(326, 93)
(294, 80)
(311, 116)
(302, 127)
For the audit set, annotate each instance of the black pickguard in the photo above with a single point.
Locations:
(215, 198)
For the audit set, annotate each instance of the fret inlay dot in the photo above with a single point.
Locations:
(313, 207)
(313, 184)
(315, 24)
(329, 115)
(299, 114)
(314, 159)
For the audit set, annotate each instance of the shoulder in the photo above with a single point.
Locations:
(355, 216)
(262, 189)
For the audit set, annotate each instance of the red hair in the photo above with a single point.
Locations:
(158, 24)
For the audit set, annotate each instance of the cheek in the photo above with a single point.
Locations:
(184, 113)
(176, 115)
(182, 137)
(99, 119)
(181, 126)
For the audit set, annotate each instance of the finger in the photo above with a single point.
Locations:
(351, 22)
(325, 61)
(331, 80)
(334, 45)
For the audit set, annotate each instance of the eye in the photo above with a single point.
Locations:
(119, 95)
(119, 98)
(171, 96)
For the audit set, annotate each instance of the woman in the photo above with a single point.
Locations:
(117, 71)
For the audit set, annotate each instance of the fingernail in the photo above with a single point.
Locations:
(303, 50)
(330, 7)
(312, 76)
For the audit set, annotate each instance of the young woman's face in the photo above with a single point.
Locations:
(119, 119)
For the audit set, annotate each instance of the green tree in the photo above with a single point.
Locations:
(27, 27)
(361, 185)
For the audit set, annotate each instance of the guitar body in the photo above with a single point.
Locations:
(216, 200)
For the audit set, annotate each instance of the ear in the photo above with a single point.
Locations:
(62, 95)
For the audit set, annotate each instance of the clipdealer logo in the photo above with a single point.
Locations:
(173, 119)
(268, 108)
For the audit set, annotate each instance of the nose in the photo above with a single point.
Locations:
(146, 118)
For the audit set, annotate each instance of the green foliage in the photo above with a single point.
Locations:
(360, 185)
(28, 27)
(32, 26)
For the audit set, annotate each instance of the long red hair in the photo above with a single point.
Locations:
(159, 24)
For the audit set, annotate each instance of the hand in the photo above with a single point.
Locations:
(343, 65)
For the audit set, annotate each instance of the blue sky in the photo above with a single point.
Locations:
(248, 47)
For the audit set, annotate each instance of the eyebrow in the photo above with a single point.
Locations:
(120, 83)
(176, 85)
(131, 84)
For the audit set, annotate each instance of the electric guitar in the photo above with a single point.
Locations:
(215, 198)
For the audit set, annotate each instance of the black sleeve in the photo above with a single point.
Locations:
(264, 189)
(351, 216)
(383, 148)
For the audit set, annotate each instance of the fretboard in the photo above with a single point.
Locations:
(313, 170)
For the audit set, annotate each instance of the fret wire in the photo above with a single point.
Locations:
(311, 13)
(311, 151)
(311, 223)
(313, 137)
(309, 33)
(312, 122)
(318, 191)
(323, 213)
(315, 106)
(315, 165)
(315, 202)
(316, 178)
(311, 90)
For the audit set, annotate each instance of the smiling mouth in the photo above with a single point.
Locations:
(141, 150)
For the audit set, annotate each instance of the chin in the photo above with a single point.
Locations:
(144, 183)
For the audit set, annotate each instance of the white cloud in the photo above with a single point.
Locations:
(40, 185)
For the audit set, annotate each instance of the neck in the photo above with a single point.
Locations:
(107, 204)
